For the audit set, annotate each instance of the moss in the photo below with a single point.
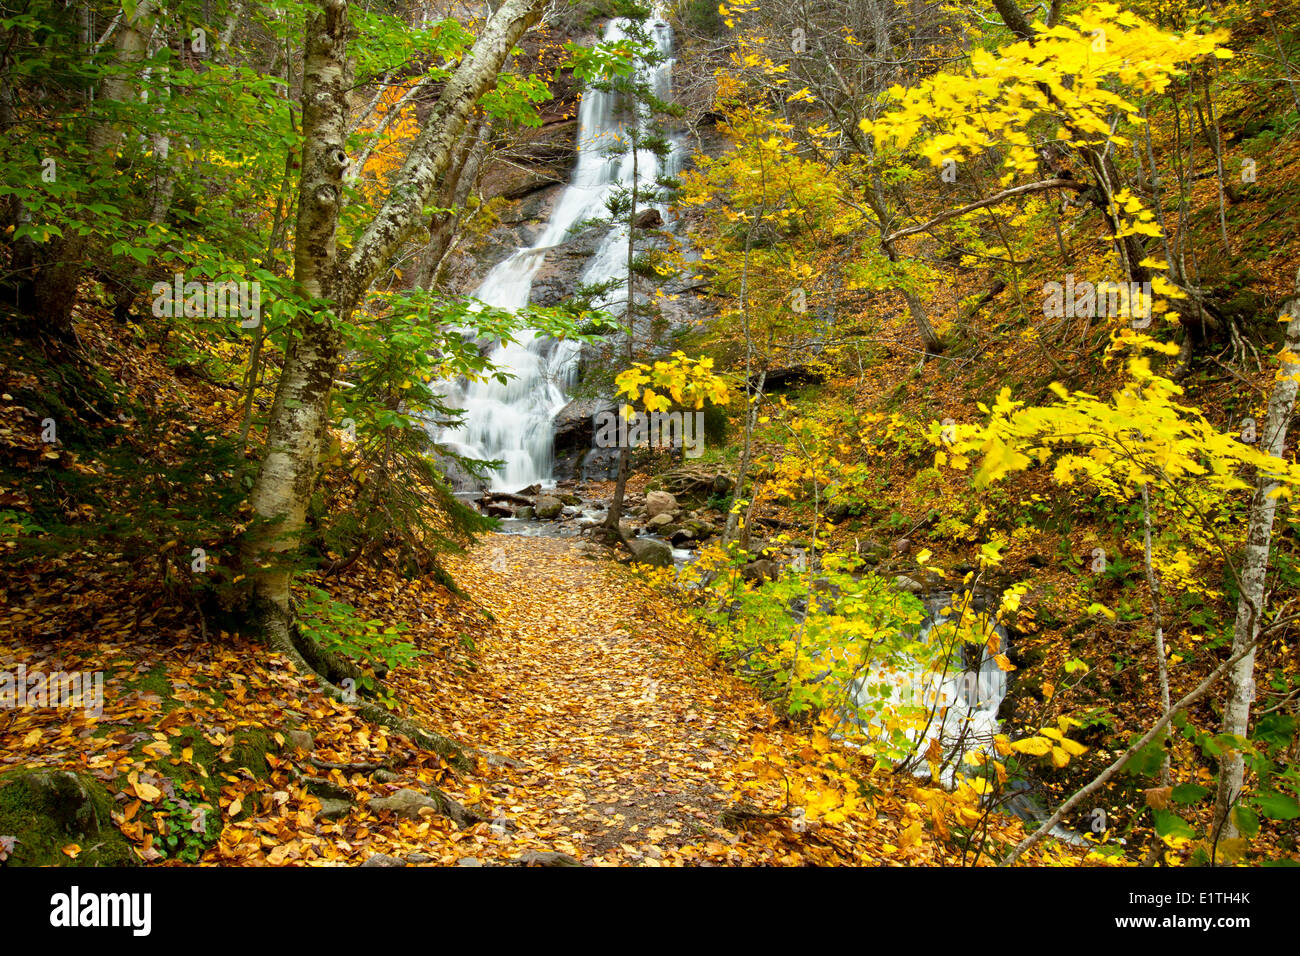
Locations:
(47, 810)
(155, 682)
(250, 750)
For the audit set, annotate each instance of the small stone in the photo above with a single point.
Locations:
(910, 585)
(332, 808)
(383, 859)
(403, 803)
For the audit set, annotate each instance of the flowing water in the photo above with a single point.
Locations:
(513, 422)
(964, 700)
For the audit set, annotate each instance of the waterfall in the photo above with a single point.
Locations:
(513, 422)
(964, 700)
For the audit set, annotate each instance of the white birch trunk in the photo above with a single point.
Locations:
(1254, 569)
(299, 415)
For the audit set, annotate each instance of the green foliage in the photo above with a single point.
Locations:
(340, 628)
(814, 649)
(185, 830)
(702, 17)
(174, 532)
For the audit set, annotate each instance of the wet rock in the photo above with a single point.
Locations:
(649, 219)
(700, 529)
(575, 424)
(651, 551)
(660, 521)
(548, 507)
(561, 272)
(912, 586)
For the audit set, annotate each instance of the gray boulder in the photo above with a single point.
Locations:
(404, 803)
(548, 507)
(659, 502)
(651, 551)
(910, 585)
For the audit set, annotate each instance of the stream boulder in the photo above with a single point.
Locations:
(659, 503)
(651, 551)
(548, 507)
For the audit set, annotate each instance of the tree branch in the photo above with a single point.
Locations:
(1041, 186)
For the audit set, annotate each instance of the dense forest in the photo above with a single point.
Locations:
(604, 433)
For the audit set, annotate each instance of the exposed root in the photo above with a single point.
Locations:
(278, 632)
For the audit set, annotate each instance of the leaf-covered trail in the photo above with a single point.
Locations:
(620, 739)
(606, 732)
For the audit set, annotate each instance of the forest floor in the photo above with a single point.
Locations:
(598, 726)
(624, 743)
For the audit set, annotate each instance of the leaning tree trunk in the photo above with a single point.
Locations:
(333, 286)
(1254, 568)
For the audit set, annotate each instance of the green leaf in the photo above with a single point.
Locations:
(1247, 821)
(1276, 729)
(1278, 806)
(1170, 824)
(1186, 793)
(1146, 761)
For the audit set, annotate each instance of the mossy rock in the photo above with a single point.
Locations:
(46, 810)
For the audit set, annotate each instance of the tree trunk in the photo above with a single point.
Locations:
(299, 415)
(1254, 568)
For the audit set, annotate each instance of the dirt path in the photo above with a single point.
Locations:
(620, 738)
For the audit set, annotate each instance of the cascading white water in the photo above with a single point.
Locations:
(513, 422)
(964, 701)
